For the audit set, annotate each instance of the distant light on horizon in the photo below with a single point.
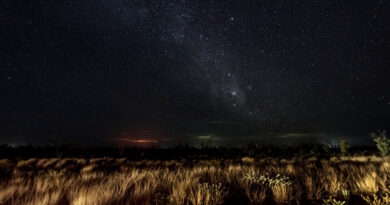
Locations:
(138, 140)
(143, 141)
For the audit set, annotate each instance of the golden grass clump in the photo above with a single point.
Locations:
(377, 200)
(368, 183)
(118, 181)
(248, 160)
(208, 194)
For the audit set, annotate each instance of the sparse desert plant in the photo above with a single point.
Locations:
(255, 193)
(248, 160)
(377, 200)
(332, 179)
(344, 147)
(279, 185)
(180, 187)
(282, 192)
(254, 187)
(326, 148)
(345, 193)
(332, 201)
(267, 180)
(382, 142)
(368, 183)
(208, 194)
(314, 190)
(53, 181)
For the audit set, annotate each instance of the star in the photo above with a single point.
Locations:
(183, 60)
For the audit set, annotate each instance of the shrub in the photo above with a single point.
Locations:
(382, 142)
(344, 146)
(266, 179)
(208, 194)
(345, 193)
(326, 148)
(254, 187)
(257, 185)
(377, 200)
(332, 201)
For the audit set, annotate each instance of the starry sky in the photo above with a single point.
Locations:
(148, 71)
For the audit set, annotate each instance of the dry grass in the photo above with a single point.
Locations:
(119, 181)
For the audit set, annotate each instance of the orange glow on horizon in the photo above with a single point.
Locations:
(139, 140)
(143, 140)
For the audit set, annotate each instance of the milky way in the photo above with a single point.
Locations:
(94, 69)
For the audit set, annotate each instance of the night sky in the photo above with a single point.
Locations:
(146, 71)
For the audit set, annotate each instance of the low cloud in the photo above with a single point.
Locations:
(208, 137)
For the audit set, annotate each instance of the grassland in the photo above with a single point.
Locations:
(355, 180)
